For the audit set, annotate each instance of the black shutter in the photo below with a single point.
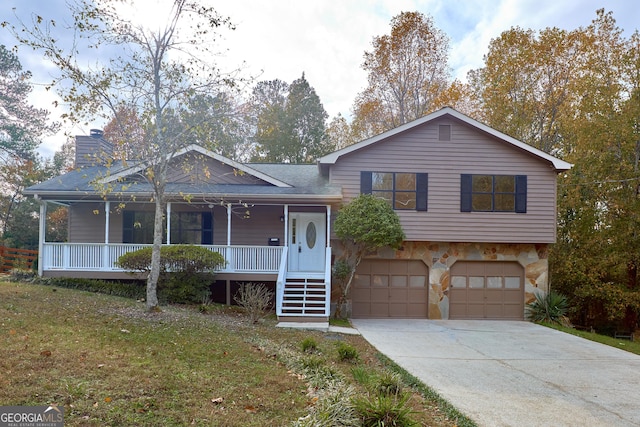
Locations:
(465, 193)
(365, 182)
(422, 191)
(128, 217)
(521, 194)
(207, 228)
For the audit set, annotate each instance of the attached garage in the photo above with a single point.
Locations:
(486, 290)
(390, 288)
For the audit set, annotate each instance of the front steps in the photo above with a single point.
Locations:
(305, 296)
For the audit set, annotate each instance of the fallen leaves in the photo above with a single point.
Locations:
(249, 409)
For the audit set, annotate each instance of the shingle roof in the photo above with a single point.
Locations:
(305, 181)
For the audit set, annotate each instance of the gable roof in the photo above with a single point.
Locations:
(191, 148)
(284, 182)
(558, 165)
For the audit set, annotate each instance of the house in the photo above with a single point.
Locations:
(478, 209)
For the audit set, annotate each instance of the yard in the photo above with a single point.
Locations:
(108, 362)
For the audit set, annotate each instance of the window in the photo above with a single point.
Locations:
(137, 227)
(403, 191)
(493, 193)
(195, 228)
(186, 227)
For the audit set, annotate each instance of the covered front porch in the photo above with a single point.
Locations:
(295, 253)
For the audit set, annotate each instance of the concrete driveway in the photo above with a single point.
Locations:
(502, 373)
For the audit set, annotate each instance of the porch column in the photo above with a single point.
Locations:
(105, 248)
(168, 223)
(107, 208)
(286, 226)
(42, 231)
(229, 224)
(328, 226)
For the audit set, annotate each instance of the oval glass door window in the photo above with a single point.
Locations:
(311, 235)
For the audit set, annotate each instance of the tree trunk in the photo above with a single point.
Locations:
(154, 274)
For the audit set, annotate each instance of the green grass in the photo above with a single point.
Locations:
(108, 362)
(437, 402)
(340, 322)
(622, 344)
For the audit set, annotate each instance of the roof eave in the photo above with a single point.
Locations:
(88, 196)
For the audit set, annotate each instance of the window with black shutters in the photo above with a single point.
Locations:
(493, 193)
(403, 190)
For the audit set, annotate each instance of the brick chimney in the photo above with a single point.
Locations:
(92, 150)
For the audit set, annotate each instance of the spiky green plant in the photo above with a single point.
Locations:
(550, 307)
(384, 410)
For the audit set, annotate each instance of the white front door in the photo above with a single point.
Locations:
(307, 241)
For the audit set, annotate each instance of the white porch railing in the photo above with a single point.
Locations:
(101, 257)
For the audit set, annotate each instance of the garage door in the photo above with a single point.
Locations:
(486, 290)
(390, 288)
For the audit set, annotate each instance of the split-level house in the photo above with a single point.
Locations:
(478, 209)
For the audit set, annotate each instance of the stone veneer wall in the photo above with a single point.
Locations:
(439, 257)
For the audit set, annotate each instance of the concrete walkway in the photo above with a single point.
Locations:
(514, 373)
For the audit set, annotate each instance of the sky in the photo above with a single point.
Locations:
(326, 39)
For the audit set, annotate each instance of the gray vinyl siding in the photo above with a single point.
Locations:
(82, 228)
(86, 222)
(468, 152)
(195, 167)
(263, 222)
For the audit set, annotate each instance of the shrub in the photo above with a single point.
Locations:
(382, 411)
(389, 384)
(134, 290)
(551, 307)
(255, 298)
(347, 352)
(186, 271)
(174, 258)
(184, 288)
(309, 345)
(22, 275)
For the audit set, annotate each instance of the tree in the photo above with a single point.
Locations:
(306, 119)
(290, 122)
(126, 132)
(19, 214)
(366, 224)
(268, 103)
(407, 71)
(153, 73)
(221, 121)
(21, 124)
(525, 87)
(339, 133)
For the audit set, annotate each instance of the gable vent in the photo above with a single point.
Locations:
(444, 133)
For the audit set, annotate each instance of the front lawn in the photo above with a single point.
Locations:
(108, 362)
